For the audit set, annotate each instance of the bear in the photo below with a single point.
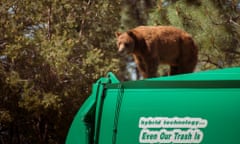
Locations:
(154, 45)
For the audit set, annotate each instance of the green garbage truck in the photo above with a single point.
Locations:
(201, 107)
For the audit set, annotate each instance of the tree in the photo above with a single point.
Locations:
(50, 54)
(213, 24)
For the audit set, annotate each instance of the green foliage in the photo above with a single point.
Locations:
(51, 52)
(94, 60)
(135, 13)
(213, 24)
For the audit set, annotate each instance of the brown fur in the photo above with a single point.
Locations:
(152, 45)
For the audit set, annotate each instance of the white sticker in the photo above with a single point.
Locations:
(171, 130)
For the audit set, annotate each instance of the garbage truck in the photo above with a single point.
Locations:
(201, 107)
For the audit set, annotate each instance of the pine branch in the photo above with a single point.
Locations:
(49, 35)
(83, 20)
(231, 51)
(210, 61)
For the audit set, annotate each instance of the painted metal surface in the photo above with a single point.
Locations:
(202, 107)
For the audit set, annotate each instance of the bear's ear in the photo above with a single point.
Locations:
(117, 34)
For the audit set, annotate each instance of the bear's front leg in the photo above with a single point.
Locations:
(141, 65)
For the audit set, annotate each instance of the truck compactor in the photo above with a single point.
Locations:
(201, 107)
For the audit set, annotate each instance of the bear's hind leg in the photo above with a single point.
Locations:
(143, 71)
(174, 70)
(184, 67)
(188, 57)
(152, 68)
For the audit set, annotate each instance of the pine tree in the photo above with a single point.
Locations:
(215, 26)
(51, 52)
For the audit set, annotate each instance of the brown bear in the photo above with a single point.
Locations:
(152, 45)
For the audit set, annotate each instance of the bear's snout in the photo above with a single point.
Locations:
(121, 49)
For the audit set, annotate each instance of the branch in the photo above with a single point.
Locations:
(2, 44)
(230, 19)
(208, 60)
(231, 51)
(49, 35)
(83, 20)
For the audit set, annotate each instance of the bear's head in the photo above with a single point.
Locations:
(125, 42)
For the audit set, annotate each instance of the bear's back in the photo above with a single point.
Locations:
(162, 42)
(149, 32)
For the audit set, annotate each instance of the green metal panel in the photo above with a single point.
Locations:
(201, 107)
(220, 108)
(82, 127)
(85, 126)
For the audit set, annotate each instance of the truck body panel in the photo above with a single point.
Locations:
(202, 107)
